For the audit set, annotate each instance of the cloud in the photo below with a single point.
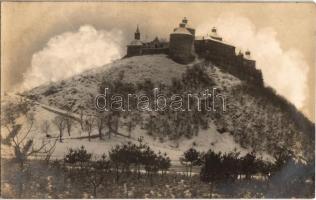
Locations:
(71, 53)
(284, 70)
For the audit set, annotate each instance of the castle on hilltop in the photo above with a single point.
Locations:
(183, 47)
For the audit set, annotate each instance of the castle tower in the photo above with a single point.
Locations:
(184, 20)
(137, 34)
(247, 53)
(214, 34)
(135, 47)
(248, 61)
(191, 30)
(181, 43)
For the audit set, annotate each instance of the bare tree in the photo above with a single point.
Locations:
(11, 112)
(88, 125)
(96, 173)
(49, 150)
(130, 124)
(100, 121)
(68, 119)
(81, 116)
(59, 121)
(112, 120)
(45, 128)
(116, 121)
(19, 139)
(24, 147)
(69, 123)
(108, 120)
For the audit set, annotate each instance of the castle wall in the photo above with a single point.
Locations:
(148, 51)
(250, 63)
(224, 57)
(218, 52)
(180, 47)
(134, 51)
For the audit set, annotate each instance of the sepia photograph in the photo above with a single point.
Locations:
(157, 100)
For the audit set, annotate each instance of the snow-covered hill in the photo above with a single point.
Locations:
(206, 139)
(248, 125)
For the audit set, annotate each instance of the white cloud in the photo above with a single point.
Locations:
(71, 53)
(284, 70)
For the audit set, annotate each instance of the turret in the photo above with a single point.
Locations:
(248, 61)
(247, 53)
(134, 48)
(214, 30)
(214, 34)
(137, 34)
(184, 20)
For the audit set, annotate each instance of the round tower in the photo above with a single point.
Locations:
(181, 44)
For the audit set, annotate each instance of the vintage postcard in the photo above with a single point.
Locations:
(157, 100)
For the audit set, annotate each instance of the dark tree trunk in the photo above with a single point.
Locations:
(100, 133)
(21, 180)
(60, 136)
(95, 191)
(190, 170)
(211, 190)
(117, 174)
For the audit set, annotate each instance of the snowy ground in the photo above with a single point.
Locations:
(81, 88)
(205, 140)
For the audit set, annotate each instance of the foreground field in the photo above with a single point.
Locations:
(54, 180)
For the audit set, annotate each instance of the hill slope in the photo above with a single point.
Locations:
(252, 122)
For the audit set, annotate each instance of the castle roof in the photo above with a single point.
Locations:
(136, 43)
(137, 29)
(207, 37)
(182, 31)
(183, 28)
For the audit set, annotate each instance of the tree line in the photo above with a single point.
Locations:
(122, 160)
(217, 167)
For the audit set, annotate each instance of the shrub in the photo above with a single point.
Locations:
(51, 90)
(78, 156)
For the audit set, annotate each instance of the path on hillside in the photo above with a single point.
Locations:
(71, 115)
(76, 117)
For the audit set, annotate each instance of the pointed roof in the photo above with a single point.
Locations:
(181, 30)
(137, 29)
(156, 39)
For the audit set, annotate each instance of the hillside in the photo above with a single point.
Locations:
(251, 123)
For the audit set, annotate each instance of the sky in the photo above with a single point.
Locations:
(47, 41)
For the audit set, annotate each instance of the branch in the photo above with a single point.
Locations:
(38, 150)
(27, 133)
(53, 146)
(15, 142)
